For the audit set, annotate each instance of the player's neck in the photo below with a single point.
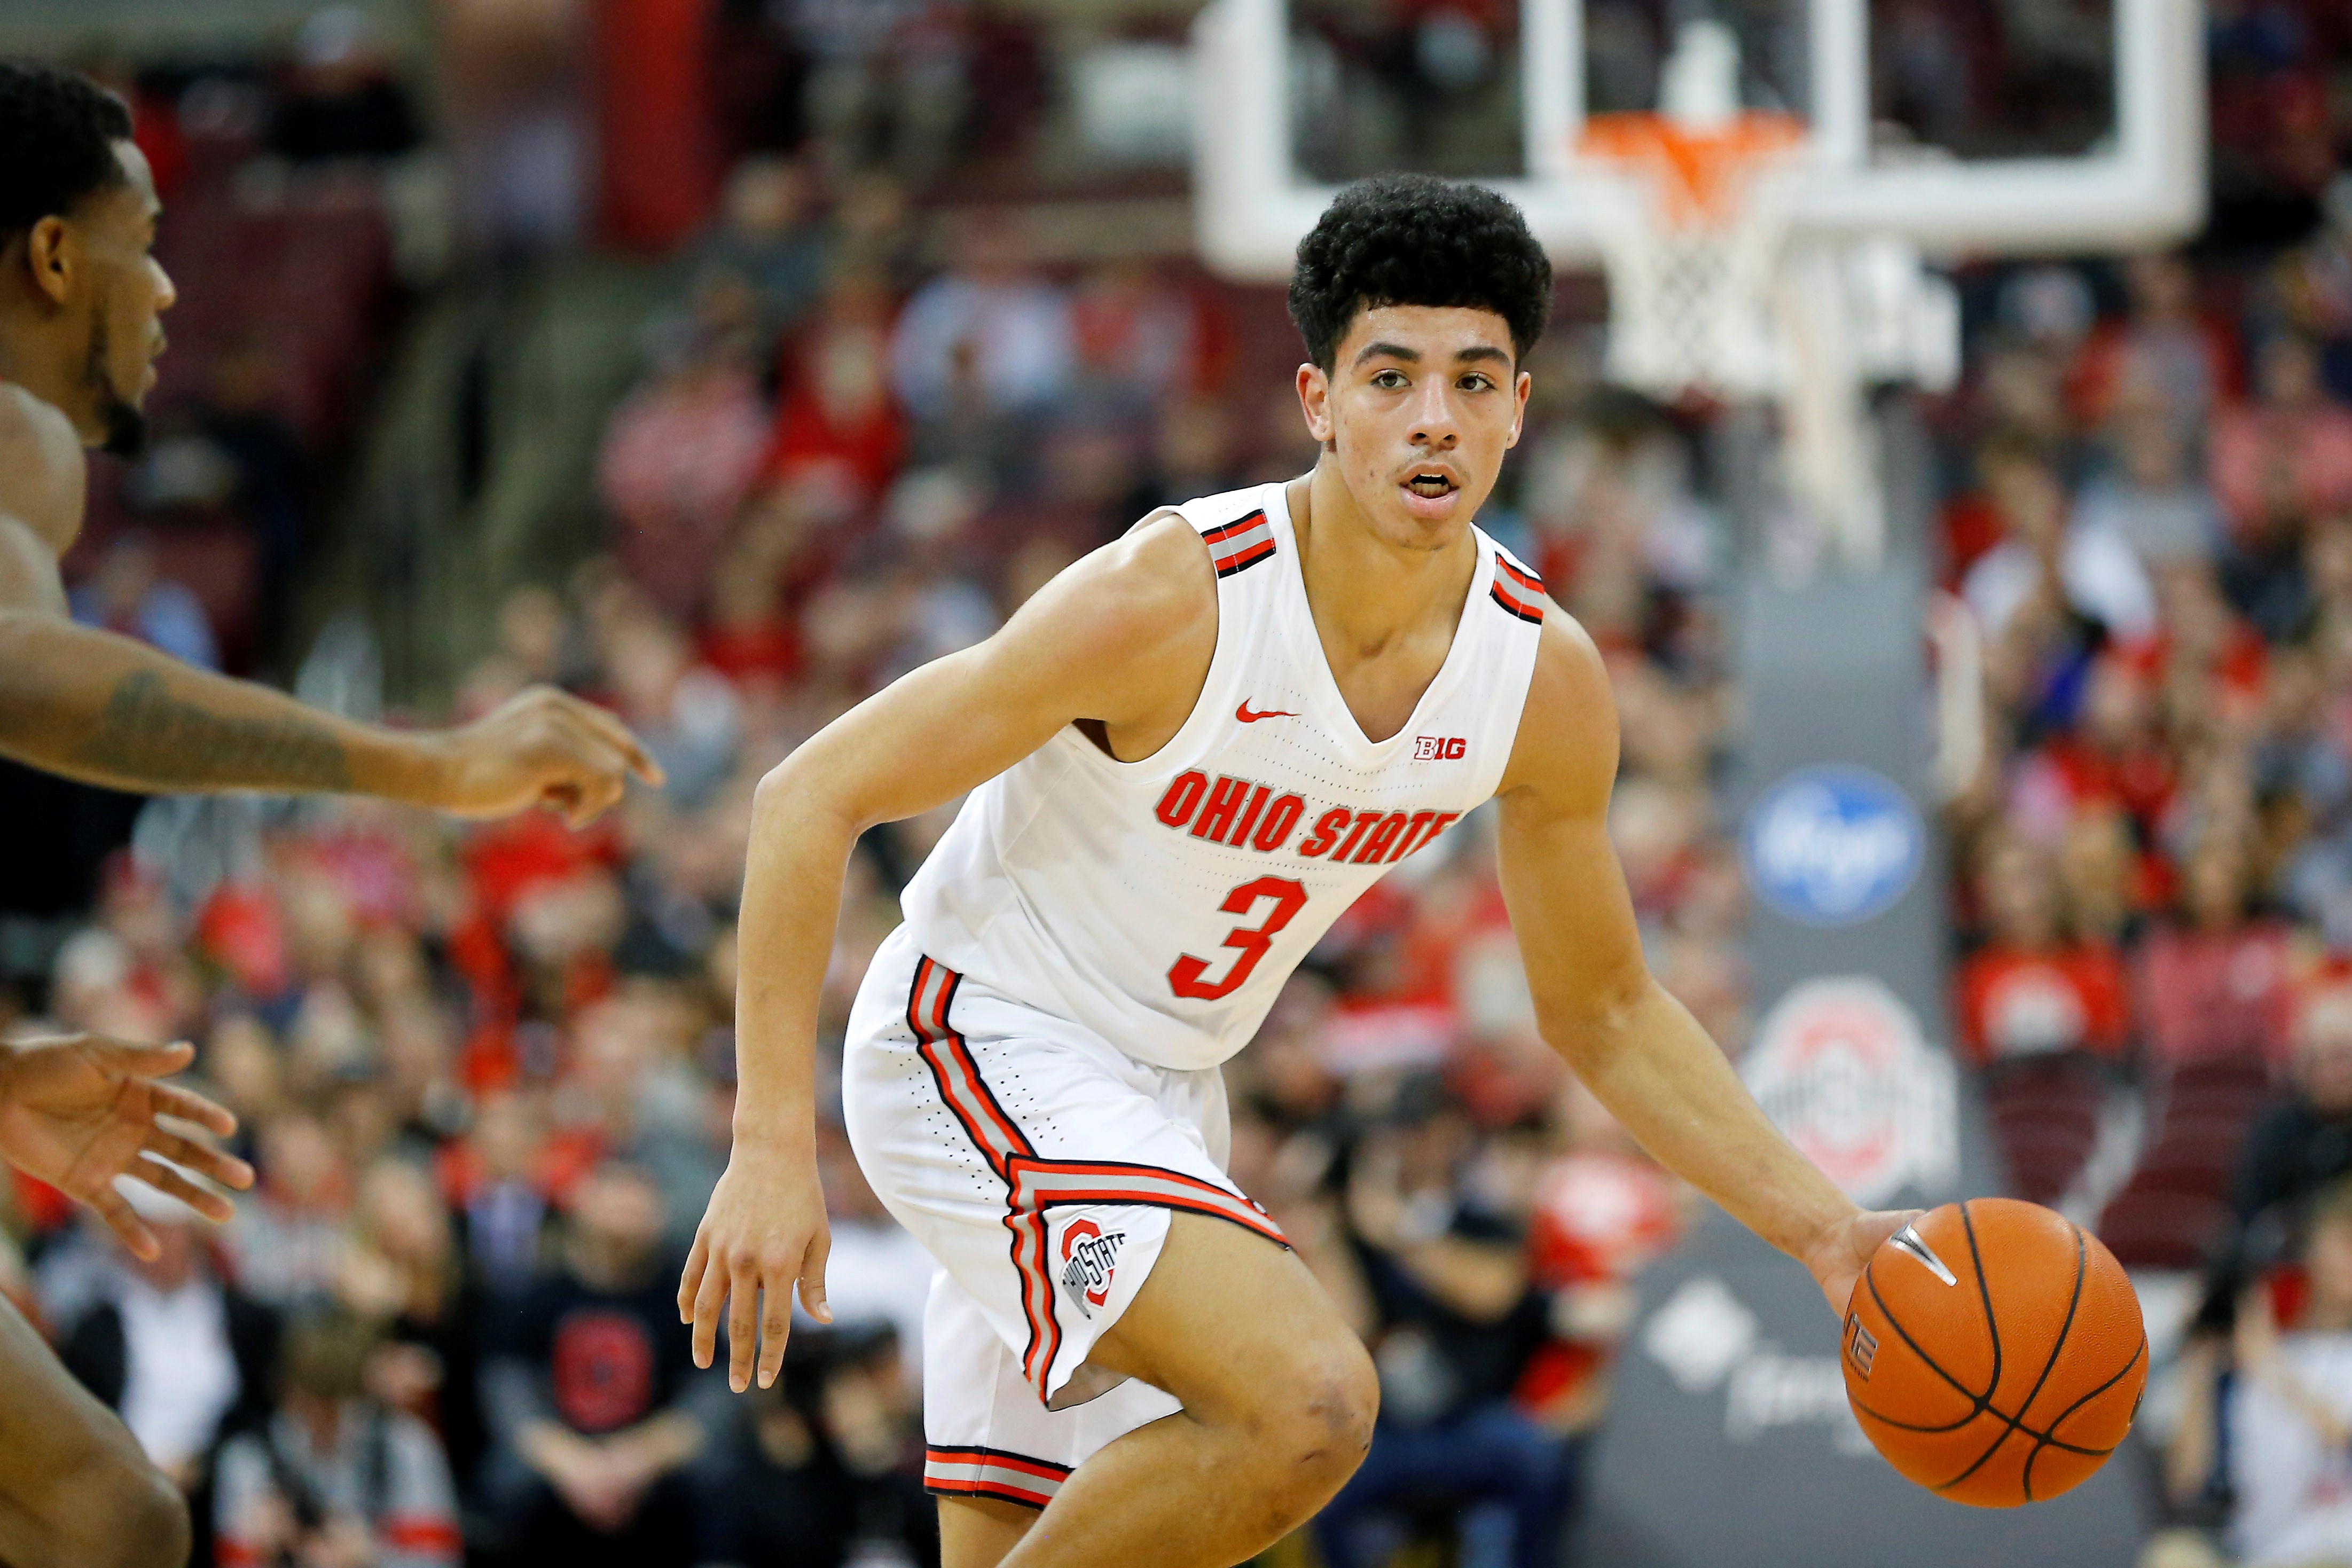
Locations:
(35, 356)
(1362, 588)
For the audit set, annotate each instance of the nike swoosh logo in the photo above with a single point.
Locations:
(1246, 717)
(1908, 1240)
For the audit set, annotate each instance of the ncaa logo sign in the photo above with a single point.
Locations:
(1832, 846)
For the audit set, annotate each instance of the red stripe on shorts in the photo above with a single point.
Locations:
(1034, 1185)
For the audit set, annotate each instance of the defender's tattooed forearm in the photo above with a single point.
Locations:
(147, 733)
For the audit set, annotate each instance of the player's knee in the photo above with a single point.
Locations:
(1318, 1418)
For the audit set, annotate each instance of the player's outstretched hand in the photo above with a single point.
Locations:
(764, 1232)
(543, 747)
(78, 1112)
(1840, 1254)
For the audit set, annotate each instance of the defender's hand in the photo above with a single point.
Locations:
(80, 1111)
(764, 1231)
(543, 747)
(1839, 1254)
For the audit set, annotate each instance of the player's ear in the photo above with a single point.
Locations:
(52, 253)
(1314, 401)
(1521, 385)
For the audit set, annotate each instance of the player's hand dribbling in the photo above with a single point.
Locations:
(78, 1113)
(763, 1232)
(1840, 1254)
(543, 747)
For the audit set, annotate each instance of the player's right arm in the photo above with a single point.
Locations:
(1124, 638)
(113, 712)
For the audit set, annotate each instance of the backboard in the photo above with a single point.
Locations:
(2143, 185)
(1765, 222)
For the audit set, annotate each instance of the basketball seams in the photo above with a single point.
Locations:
(1993, 1326)
(2045, 1440)
(1981, 1404)
(2065, 1327)
(1984, 1294)
(1984, 1288)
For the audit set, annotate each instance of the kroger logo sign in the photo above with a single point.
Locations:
(1832, 846)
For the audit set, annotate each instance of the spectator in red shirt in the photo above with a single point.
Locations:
(2214, 983)
(2116, 755)
(838, 431)
(2287, 456)
(678, 459)
(2032, 990)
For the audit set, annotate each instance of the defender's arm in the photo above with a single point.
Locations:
(1597, 1004)
(109, 711)
(1125, 638)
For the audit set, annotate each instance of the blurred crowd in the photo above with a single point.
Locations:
(2148, 516)
(486, 1073)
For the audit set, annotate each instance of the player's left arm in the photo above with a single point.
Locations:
(1597, 1003)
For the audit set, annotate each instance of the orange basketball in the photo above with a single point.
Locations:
(1994, 1353)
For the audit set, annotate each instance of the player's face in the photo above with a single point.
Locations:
(1420, 405)
(125, 292)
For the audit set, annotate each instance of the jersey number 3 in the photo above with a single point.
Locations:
(1184, 976)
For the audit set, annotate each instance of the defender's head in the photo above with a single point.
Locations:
(78, 283)
(1418, 299)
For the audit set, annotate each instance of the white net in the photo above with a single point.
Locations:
(1691, 305)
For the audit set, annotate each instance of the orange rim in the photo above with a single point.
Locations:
(1701, 173)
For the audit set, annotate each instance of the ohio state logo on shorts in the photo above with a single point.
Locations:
(1089, 1260)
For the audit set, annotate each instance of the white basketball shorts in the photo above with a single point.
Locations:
(1039, 1165)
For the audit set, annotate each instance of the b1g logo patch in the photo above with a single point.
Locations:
(1089, 1258)
(1439, 748)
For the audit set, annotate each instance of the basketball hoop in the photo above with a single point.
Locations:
(1692, 210)
(1751, 258)
(1691, 229)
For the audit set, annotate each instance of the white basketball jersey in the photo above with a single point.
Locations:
(1163, 903)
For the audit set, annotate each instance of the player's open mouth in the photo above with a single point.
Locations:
(1430, 486)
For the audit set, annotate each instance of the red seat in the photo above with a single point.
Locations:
(2154, 1229)
(2187, 1177)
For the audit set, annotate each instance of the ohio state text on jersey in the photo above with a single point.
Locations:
(1162, 904)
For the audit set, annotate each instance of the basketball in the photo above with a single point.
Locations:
(1993, 1351)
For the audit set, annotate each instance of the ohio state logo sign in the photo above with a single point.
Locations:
(1841, 1067)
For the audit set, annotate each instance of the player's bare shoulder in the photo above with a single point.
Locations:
(43, 473)
(1131, 628)
(1566, 750)
(1161, 572)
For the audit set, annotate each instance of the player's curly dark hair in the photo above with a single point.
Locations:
(1416, 239)
(58, 131)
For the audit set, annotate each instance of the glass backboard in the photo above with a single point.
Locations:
(1962, 126)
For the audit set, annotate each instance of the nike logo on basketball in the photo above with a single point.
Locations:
(1246, 717)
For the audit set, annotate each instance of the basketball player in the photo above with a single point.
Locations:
(1186, 755)
(80, 298)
